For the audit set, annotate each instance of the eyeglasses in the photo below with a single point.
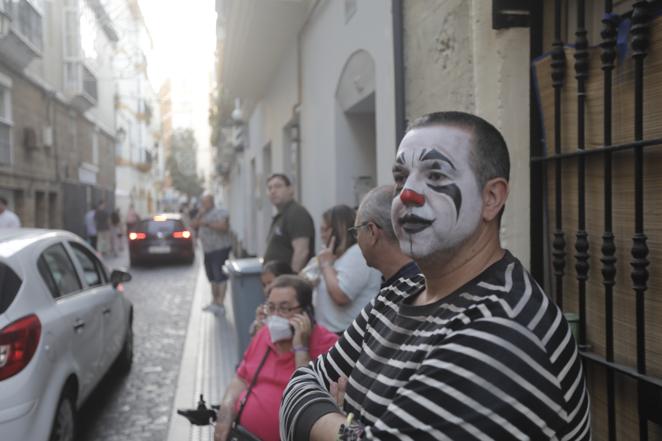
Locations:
(354, 231)
(271, 308)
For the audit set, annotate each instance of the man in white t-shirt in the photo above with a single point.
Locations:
(8, 218)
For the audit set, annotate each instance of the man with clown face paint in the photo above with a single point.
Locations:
(472, 348)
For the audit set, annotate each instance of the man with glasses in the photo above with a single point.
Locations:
(288, 341)
(374, 234)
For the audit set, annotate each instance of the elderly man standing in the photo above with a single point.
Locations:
(213, 225)
(292, 233)
(473, 350)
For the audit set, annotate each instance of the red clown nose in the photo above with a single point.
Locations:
(408, 196)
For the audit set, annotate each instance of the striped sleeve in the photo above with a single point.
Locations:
(307, 396)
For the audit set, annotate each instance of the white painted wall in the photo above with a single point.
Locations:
(328, 42)
(456, 61)
(250, 208)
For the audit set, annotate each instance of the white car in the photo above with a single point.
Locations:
(64, 323)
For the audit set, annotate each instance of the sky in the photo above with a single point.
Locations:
(184, 39)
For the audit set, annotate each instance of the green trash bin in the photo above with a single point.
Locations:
(247, 295)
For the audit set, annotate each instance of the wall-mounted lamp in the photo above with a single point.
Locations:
(294, 133)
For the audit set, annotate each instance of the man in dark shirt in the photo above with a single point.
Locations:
(292, 233)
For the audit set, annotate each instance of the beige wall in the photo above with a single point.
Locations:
(454, 60)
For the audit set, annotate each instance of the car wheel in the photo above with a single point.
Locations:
(133, 261)
(124, 360)
(64, 424)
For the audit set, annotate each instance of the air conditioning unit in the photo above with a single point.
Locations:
(47, 136)
(29, 138)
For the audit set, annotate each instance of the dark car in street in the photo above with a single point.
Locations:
(160, 238)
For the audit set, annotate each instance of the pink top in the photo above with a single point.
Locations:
(260, 415)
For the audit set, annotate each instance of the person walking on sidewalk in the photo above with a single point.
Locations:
(292, 233)
(91, 228)
(102, 222)
(213, 224)
(8, 219)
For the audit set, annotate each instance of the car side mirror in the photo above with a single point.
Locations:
(119, 276)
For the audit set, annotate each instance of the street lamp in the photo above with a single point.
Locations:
(239, 140)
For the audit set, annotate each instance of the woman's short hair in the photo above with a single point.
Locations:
(302, 287)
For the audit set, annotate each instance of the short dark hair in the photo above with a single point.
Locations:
(3, 200)
(489, 157)
(282, 176)
(277, 268)
(301, 286)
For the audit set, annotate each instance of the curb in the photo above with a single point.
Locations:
(208, 361)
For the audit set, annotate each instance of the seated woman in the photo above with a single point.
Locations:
(346, 283)
(289, 340)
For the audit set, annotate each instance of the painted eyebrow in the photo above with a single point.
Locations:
(436, 154)
(400, 159)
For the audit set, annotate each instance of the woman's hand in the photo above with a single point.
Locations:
(326, 256)
(260, 318)
(223, 425)
(302, 327)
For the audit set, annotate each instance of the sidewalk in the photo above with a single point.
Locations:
(208, 361)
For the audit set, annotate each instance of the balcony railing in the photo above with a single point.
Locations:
(80, 84)
(21, 32)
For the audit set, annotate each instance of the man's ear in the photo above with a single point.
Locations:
(495, 193)
(374, 232)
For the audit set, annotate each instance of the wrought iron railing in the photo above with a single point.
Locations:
(562, 161)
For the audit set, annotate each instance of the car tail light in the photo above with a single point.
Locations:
(182, 234)
(137, 236)
(18, 343)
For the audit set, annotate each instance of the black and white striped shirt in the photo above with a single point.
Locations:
(495, 360)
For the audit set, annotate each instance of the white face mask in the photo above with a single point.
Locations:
(432, 168)
(279, 328)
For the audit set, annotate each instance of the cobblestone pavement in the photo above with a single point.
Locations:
(138, 407)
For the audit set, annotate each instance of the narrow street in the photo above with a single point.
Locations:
(138, 406)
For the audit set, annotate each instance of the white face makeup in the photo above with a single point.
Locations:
(438, 203)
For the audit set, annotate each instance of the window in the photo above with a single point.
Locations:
(29, 23)
(58, 271)
(92, 269)
(5, 121)
(9, 286)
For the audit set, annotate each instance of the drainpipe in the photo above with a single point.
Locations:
(398, 70)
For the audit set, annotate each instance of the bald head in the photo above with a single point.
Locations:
(376, 207)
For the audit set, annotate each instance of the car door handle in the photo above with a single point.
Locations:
(107, 311)
(79, 325)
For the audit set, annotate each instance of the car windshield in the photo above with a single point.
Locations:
(166, 226)
(10, 283)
